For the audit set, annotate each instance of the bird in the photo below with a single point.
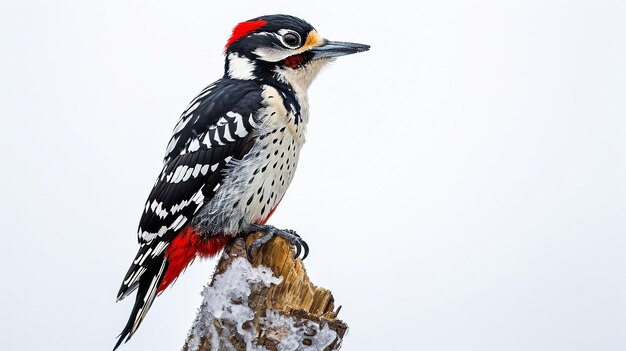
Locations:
(231, 156)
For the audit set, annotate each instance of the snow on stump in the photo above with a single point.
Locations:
(267, 305)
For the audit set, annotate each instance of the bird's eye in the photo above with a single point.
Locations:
(291, 39)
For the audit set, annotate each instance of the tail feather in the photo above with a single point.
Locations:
(146, 292)
(148, 256)
(156, 266)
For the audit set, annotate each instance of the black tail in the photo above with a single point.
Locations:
(146, 292)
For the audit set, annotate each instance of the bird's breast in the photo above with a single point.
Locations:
(254, 185)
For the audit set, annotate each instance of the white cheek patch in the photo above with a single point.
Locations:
(240, 67)
(272, 54)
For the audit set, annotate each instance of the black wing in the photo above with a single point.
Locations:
(215, 128)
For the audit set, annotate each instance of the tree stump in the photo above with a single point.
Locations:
(268, 304)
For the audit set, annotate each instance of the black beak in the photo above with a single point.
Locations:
(337, 48)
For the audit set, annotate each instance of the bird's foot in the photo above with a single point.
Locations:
(270, 231)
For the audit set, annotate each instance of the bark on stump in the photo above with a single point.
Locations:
(250, 307)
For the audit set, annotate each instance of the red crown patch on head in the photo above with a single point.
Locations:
(243, 29)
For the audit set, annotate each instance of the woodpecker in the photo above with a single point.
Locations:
(232, 155)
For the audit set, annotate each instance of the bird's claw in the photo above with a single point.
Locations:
(271, 231)
(268, 234)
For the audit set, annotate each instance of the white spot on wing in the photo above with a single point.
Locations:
(145, 255)
(205, 170)
(178, 223)
(252, 122)
(194, 145)
(203, 93)
(217, 138)
(207, 140)
(171, 144)
(181, 124)
(158, 249)
(138, 259)
(198, 197)
(241, 129)
(180, 206)
(162, 213)
(192, 108)
(188, 174)
(227, 135)
(147, 236)
(180, 173)
(172, 177)
(196, 170)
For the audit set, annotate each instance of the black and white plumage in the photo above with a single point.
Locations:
(232, 154)
(216, 128)
(209, 134)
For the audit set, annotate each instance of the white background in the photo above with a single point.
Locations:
(463, 186)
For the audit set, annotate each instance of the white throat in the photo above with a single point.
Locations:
(301, 78)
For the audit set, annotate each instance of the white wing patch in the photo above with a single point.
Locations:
(253, 122)
(241, 130)
(223, 131)
(186, 116)
(227, 135)
(207, 140)
(188, 174)
(179, 222)
(184, 173)
(172, 144)
(194, 145)
(216, 138)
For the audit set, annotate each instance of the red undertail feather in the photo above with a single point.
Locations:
(184, 248)
(243, 29)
